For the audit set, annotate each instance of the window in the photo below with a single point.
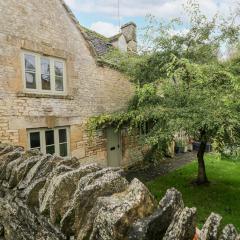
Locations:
(35, 140)
(30, 71)
(59, 76)
(63, 145)
(44, 74)
(50, 141)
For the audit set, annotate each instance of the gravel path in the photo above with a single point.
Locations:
(166, 166)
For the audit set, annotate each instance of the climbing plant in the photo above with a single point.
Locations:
(182, 84)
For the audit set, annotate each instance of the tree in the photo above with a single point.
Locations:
(182, 84)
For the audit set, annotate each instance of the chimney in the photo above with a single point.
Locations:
(129, 32)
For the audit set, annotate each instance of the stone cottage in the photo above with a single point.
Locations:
(51, 83)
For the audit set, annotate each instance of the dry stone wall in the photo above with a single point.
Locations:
(48, 197)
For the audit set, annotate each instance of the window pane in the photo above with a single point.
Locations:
(45, 66)
(29, 62)
(59, 83)
(62, 135)
(46, 82)
(35, 140)
(63, 150)
(49, 136)
(50, 149)
(59, 69)
(30, 80)
(45, 74)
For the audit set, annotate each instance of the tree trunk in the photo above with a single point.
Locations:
(202, 176)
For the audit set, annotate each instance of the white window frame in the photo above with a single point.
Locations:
(56, 139)
(39, 89)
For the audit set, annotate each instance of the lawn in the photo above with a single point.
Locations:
(221, 196)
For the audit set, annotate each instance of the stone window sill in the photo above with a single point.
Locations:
(39, 95)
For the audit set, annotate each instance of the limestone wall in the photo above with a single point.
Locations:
(47, 197)
(45, 27)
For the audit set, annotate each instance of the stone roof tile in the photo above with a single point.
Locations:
(99, 44)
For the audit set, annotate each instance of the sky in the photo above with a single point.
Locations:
(102, 15)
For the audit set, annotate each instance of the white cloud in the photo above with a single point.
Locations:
(160, 8)
(105, 28)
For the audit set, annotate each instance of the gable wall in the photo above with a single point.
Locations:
(45, 27)
(121, 44)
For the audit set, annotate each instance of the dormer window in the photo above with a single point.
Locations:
(44, 74)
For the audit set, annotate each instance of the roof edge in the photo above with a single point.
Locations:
(98, 61)
(128, 24)
(79, 27)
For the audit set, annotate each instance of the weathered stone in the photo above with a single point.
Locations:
(6, 159)
(61, 189)
(41, 169)
(31, 193)
(1, 230)
(211, 227)
(69, 217)
(11, 167)
(58, 170)
(155, 226)
(22, 224)
(11, 161)
(5, 148)
(183, 225)
(78, 217)
(21, 169)
(89, 203)
(90, 178)
(2, 146)
(229, 233)
(116, 213)
(2, 193)
(73, 162)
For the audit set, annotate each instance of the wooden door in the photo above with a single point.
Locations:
(114, 149)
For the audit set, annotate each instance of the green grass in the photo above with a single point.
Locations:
(221, 196)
